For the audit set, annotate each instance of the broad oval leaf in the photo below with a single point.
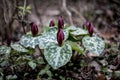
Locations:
(32, 64)
(50, 36)
(47, 36)
(5, 51)
(18, 47)
(29, 41)
(94, 44)
(72, 28)
(78, 32)
(57, 56)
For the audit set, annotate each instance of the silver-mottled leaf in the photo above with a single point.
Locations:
(32, 64)
(29, 41)
(79, 31)
(5, 50)
(47, 37)
(18, 47)
(57, 56)
(94, 44)
(66, 33)
(72, 28)
(50, 36)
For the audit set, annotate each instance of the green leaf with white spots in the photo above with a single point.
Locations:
(47, 37)
(5, 51)
(76, 47)
(32, 64)
(94, 44)
(29, 41)
(57, 56)
(50, 36)
(66, 33)
(72, 28)
(78, 32)
(18, 47)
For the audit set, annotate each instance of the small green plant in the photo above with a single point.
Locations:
(57, 43)
(27, 10)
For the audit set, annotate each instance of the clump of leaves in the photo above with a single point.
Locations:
(27, 10)
(57, 43)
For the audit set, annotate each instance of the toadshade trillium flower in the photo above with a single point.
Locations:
(89, 26)
(60, 22)
(34, 29)
(60, 37)
(90, 30)
(52, 23)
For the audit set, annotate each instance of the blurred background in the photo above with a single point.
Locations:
(105, 15)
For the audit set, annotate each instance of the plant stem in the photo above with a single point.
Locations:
(41, 54)
(23, 14)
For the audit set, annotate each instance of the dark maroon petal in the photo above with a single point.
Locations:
(60, 37)
(52, 23)
(91, 30)
(34, 29)
(87, 25)
(60, 22)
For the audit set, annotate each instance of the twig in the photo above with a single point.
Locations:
(68, 12)
(23, 14)
(24, 9)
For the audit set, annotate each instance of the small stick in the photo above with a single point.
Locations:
(68, 12)
(23, 15)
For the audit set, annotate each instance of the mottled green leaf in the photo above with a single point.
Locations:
(57, 56)
(47, 37)
(72, 28)
(93, 44)
(18, 47)
(50, 36)
(79, 31)
(32, 64)
(5, 51)
(29, 41)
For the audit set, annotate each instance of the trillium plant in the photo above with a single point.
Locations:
(56, 43)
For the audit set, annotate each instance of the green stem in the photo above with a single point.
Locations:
(41, 54)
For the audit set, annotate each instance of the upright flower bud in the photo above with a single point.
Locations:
(34, 29)
(52, 23)
(60, 22)
(90, 30)
(60, 37)
(87, 25)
